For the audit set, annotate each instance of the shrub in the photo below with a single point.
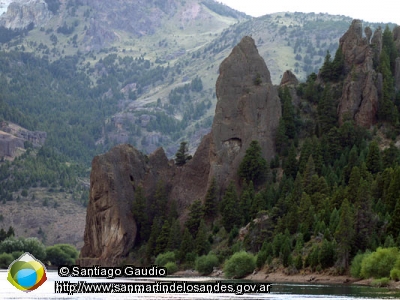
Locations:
(17, 254)
(239, 265)
(378, 264)
(382, 282)
(31, 245)
(261, 258)
(171, 267)
(395, 272)
(355, 267)
(206, 263)
(164, 258)
(5, 260)
(61, 254)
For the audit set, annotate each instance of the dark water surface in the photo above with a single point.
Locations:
(278, 291)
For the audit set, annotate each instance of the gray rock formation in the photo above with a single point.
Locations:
(368, 33)
(9, 144)
(21, 13)
(289, 79)
(360, 94)
(247, 109)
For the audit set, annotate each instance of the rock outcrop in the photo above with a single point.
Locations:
(21, 13)
(289, 79)
(361, 87)
(248, 108)
(13, 137)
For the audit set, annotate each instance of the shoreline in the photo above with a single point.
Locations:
(306, 278)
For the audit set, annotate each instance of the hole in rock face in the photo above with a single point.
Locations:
(233, 146)
(131, 177)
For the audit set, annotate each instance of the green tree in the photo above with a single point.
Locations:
(140, 215)
(187, 245)
(253, 166)
(374, 160)
(162, 238)
(202, 245)
(231, 215)
(196, 213)
(344, 234)
(394, 226)
(182, 156)
(327, 116)
(290, 165)
(61, 254)
(210, 202)
(288, 114)
(175, 237)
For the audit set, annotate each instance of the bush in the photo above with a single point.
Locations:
(355, 267)
(163, 258)
(171, 267)
(5, 260)
(17, 254)
(61, 254)
(382, 282)
(239, 265)
(31, 245)
(206, 263)
(378, 264)
(395, 272)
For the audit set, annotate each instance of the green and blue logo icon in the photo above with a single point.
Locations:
(27, 273)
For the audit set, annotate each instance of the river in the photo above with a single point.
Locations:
(278, 291)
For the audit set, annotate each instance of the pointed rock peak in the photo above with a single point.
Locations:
(243, 68)
(289, 78)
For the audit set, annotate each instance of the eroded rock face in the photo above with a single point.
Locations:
(361, 87)
(248, 108)
(24, 12)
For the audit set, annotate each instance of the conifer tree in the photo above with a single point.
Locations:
(327, 116)
(196, 213)
(291, 163)
(162, 238)
(253, 166)
(210, 202)
(281, 139)
(374, 160)
(231, 215)
(288, 112)
(174, 237)
(246, 201)
(187, 245)
(344, 234)
(152, 242)
(182, 156)
(394, 226)
(202, 245)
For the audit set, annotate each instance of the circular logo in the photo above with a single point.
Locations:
(27, 273)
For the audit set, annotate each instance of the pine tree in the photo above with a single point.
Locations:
(327, 116)
(281, 140)
(202, 245)
(308, 174)
(394, 226)
(210, 202)
(152, 242)
(181, 155)
(344, 234)
(174, 237)
(187, 245)
(291, 163)
(253, 166)
(246, 200)
(364, 221)
(374, 160)
(231, 215)
(288, 112)
(162, 238)
(196, 213)
(386, 106)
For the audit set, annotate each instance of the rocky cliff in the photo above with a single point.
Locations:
(362, 84)
(13, 137)
(22, 13)
(248, 108)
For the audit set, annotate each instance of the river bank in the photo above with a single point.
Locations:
(281, 277)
